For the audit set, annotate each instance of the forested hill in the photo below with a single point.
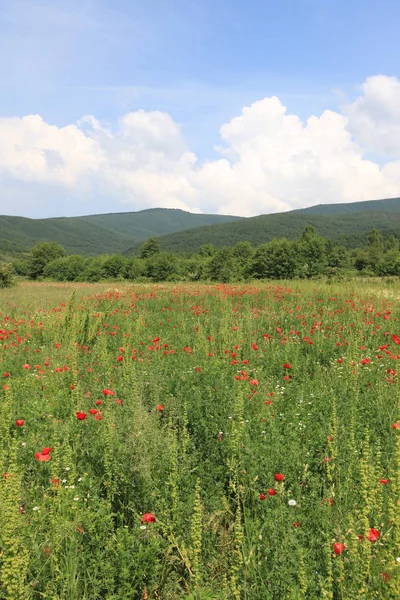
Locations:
(345, 223)
(99, 234)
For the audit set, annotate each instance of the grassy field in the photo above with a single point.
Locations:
(204, 442)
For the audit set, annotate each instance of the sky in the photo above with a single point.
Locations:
(225, 106)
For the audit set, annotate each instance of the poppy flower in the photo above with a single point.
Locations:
(296, 524)
(98, 417)
(160, 407)
(81, 416)
(373, 535)
(384, 481)
(148, 518)
(46, 450)
(396, 425)
(254, 382)
(385, 577)
(262, 496)
(271, 492)
(42, 457)
(287, 366)
(338, 547)
(279, 477)
(93, 411)
(107, 392)
(19, 422)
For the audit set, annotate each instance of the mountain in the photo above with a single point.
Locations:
(392, 205)
(346, 223)
(99, 234)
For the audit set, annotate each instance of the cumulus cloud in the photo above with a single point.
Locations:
(374, 117)
(269, 160)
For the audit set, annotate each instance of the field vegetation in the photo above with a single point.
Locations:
(164, 441)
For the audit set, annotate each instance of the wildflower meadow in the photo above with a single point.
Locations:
(200, 441)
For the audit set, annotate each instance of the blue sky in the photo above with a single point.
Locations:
(200, 61)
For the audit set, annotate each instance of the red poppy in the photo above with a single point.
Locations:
(287, 366)
(396, 425)
(42, 457)
(46, 450)
(373, 535)
(93, 411)
(6, 374)
(279, 477)
(160, 407)
(254, 382)
(98, 417)
(338, 547)
(107, 392)
(384, 481)
(118, 401)
(262, 496)
(99, 402)
(385, 577)
(19, 422)
(296, 524)
(148, 518)
(81, 416)
(254, 346)
(271, 492)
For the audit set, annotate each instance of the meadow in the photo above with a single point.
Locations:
(200, 441)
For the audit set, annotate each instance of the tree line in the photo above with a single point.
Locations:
(306, 257)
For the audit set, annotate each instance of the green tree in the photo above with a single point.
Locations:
(113, 266)
(207, 250)
(41, 255)
(242, 253)
(6, 276)
(221, 266)
(392, 243)
(311, 255)
(162, 266)
(94, 269)
(149, 248)
(66, 268)
(133, 268)
(274, 260)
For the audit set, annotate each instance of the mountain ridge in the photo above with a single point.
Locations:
(182, 231)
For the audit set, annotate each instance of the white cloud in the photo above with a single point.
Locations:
(270, 160)
(374, 117)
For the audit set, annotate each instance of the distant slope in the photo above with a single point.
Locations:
(99, 234)
(391, 205)
(348, 227)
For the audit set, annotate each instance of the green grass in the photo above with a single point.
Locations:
(207, 415)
